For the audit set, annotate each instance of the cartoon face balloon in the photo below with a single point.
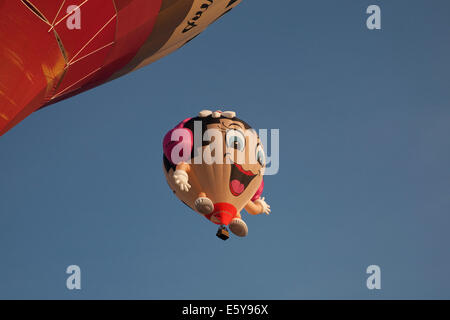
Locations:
(215, 163)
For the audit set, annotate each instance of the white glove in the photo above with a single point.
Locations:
(181, 180)
(264, 205)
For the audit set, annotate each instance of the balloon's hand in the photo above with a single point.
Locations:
(265, 207)
(181, 180)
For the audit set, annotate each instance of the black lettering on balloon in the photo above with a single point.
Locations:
(197, 15)
(230, 3)
(191, 23)
(190, 26)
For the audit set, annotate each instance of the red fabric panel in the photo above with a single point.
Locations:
(31, 63)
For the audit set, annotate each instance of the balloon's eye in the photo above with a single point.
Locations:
(235, 139)
(260, 156)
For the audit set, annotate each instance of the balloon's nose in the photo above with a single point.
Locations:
(223, 213)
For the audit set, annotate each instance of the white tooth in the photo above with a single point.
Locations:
(229, 114)
(204, 113)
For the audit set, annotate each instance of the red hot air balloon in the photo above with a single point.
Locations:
(52, 50)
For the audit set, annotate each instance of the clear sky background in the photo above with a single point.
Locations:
(364, 178)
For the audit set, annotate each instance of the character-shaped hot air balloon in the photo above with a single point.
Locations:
(214, 163)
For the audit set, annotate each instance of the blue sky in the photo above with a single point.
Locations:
(364, 165)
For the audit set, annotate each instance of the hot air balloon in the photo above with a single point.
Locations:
(214, 163)
(53, 50)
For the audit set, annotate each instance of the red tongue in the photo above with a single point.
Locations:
(237, 187)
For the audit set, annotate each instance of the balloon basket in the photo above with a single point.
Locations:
(223, 233)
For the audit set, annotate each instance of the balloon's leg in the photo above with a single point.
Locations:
(223, 233)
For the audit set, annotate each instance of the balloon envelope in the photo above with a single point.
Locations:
(229, 184)
(52, 50)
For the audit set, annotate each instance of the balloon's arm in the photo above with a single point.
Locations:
(257, 207)
(253, 208)
(183, 166)
(181, 176)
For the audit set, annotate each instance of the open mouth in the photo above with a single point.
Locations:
(239, 179)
